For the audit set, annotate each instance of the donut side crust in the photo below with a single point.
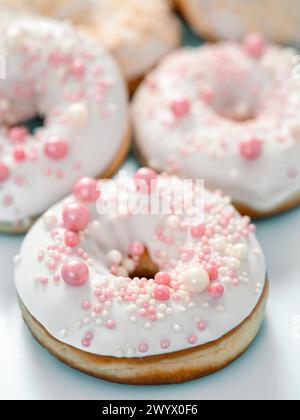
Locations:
(111, 169)
(173, 368)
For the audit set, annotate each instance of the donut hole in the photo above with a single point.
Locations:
(235, 88)
(19, 132)
(146, 267)
(34, 123)
(235, 105)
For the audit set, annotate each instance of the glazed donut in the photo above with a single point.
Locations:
(80, 278)
(137, 32)
(278, 20)
(54, 71)
(227, 113)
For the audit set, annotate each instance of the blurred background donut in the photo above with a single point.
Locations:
(137, 32)
(278, 20)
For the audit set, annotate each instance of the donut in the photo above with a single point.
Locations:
(54, 71)
(133, 295)
(278, 20)
(228, 113)
(138, 33)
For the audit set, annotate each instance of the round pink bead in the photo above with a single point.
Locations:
(251, 149)
(86, 190)
(202, 326)
(180, 107)
(86, 343)
(198, 231)
(143, 347)
(192, 339)
(212, 271)
(18, 134)
(72, 239)
(110, 324)
(216, 291)
(75, 273)
(4, 172)
(162, 293)
(255, 45)
(56, 148)
(19, 154)
(165, 344)
(78, 68)
(136, 249)
(145, 179)
(89, 336)
(163, 279)
(76, 217)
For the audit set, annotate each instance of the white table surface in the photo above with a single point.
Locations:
(269, 370)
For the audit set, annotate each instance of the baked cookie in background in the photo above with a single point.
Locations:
(138, 33)
(278, 20)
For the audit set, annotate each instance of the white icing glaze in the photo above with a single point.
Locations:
(190, 317)
(54, 71)
(206, 140)
(138, 32)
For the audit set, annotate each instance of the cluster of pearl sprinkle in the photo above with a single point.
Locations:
(209, 259)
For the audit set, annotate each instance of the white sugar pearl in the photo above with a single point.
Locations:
(50, 220)
(129, 265)
(177, 328)
(173, 222)
(196, 279)
(120, 282)
(219, 244)
(233, 264)
(240, 251)
(114, 257)
(77, 115)
(122, 272)
(130, 352)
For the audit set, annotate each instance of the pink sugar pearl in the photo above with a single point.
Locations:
(145, 179)
(251, 149)
(136, 249)
(86, 190)
(202, 326)
(76, 217)
(163, 279)
(18, 134)
(56, 148)
(192, 339)
(143, 348)
(165, 344)
(212, 272)
(78, 68)
(162, 293)
(72, 239)
(4, 172)
(198, 231)
(19, 154)
(255, 45)
(75, 273)
(180, 107)
(216, 291)
(110, 324)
